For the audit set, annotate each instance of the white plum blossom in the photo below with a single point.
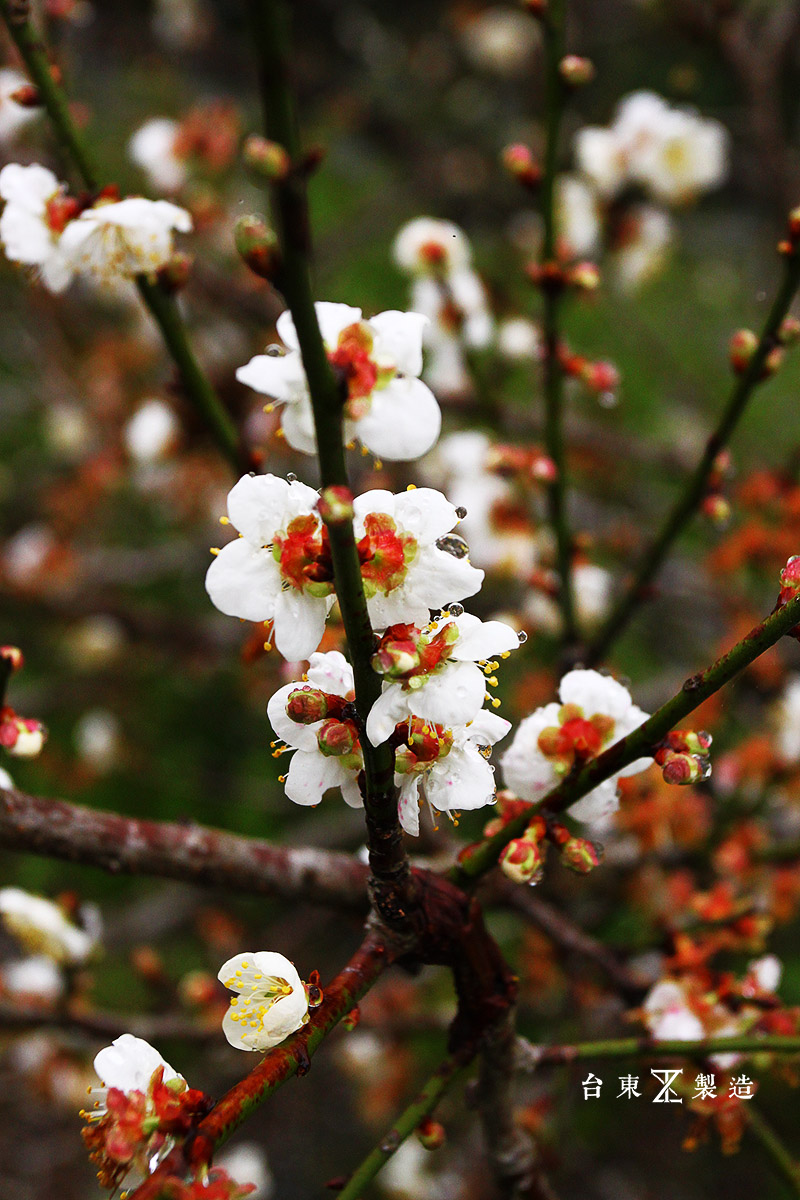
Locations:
(641, 246)
(787, 714)
(446, 767)
(595, 711)
(278, 569)
(36, 212)
(13, 116)
(36, 976)
(592, 589)
(765, 972)
(310, 718)
(151, 432)
(673, 153)
(410, 561)
(519, 339)
(42, 927)
(123, 238)
(434, 673)
(427, 246)
(246, 1163)
(152, 147)
(668, 1015)
(270, 1002)
(387, 407)
(577, 216)
(129, 1065)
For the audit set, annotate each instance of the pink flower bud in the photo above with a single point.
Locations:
(717, 509)
(336, 505)
(257, 245)
(307, 705)
(27, 96)
(268, 158)
(741, 348)
(581, 855)
(336, 739)
(520, 163)
(682, 768)
(431, 1133)
(600, 376)
(585, 276)
(523, 860)
(576, 71)
(789, 332)
(13, 657)
(174, 275)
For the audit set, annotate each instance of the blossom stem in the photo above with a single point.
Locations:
(694, 490)
(290, 207)
(174, 850)
(785, 1162)
(449, 1072)
(553, 24)
(641, 741)
(198, 387)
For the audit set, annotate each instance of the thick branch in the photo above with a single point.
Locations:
(197, 385)
(642, 741)
(510, 1150)
(290, 207)
(193, 853)
(695, 488)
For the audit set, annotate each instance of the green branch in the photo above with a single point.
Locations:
(553, 30)
(290, 208)
(638, 1047)
(198, 387)
(695, 488)
(641, 742)
(786, 1164)
(444, 1077)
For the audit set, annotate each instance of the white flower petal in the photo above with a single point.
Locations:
(300, 737)
(280, 376)
(461, 781)
(331, 672)
(388, 711)
(454, 695)
(598, 805)
(299, 623)
(403, 422)
(310, 775)
(479, 640)
(129, 1064)
(408, 804)
(398, 339)
(244, 582)
(424, 512)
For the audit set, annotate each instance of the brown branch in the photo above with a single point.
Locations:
(510, 1150)
(105, 1025)
(189, 852)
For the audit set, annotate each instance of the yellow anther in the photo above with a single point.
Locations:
(279, 433)
(269, 408)
(412, 487)
(214, 549)
(505, 654)
(267, 646)
(224, 520)
(492, 681)
(351, 445)
(495, 703)
(282, 779)
(245, 965)
(378, 465)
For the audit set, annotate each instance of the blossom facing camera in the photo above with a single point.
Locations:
(377, 363)
(270, 1001)
(124, 237)
(279, 568)
(595, 712)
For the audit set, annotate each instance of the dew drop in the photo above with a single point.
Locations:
(291, 477)
(456, 610)
(522, 637)
(275, 351)
(461, 512)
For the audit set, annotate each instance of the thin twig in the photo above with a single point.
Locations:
(198, 387)
(448, 1073)
(530, 1056)
(785, 1162)
(192, 853)
(105, 1026)
(290, 207)
(553, 30)
(641, 742)
(695, 488)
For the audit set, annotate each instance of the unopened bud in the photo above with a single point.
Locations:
(396, 657)
(22, 737)
(520, 163)
(790, 575)
(314, 993)
(174, 275)
(717, 509)
(335, 505)
(198, 988)
(352, 1019)
(13, 657)
(794, 222)
(683, 769)
(258, 245)
(431, 1133)
(576, 71)
(695, 741)
(336, 738)
(600, 376)
(307, 705)
(148, 964)
(789, 332)
(268, 158)
(523, 860)
(27, 96)
(741, 348)
(581, 855)
(544, 469)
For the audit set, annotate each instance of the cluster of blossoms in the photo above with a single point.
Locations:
(22, 737)
(378, 361)
(52, 944)
(652, 157)
(103, 237)
(168, 150)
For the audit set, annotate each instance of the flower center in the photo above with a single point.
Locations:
(385, 554)
(59, 211)
(425, 744)
(433, 255)
(575, 739)
(407, 655)
(304, 557)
